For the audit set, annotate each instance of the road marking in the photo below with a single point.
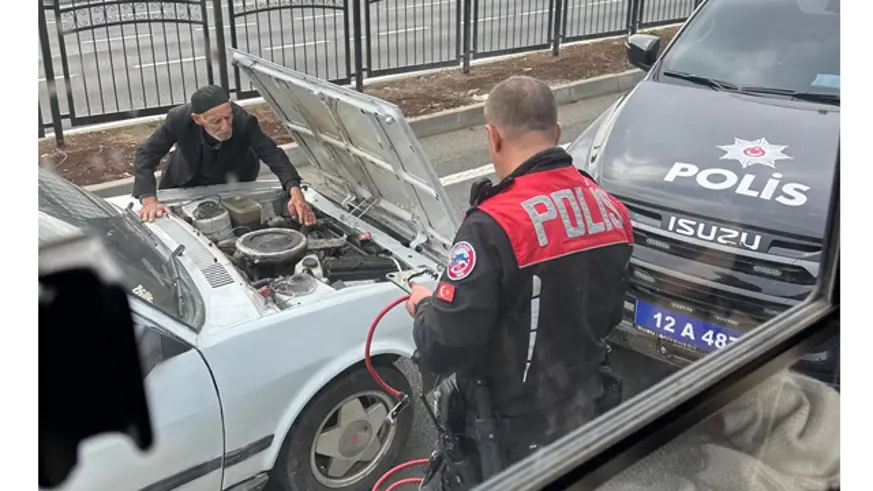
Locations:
(546, 11)
(308, 43)
(398, 31)
(470, 174)
(533, 12)
(422, 5)
(228, 26)
(320, 16)
(467, 175)
(58, 80)
(119, 38)
(390, 9)
(170, 62)
(598, 2)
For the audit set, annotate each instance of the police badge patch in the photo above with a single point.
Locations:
(462, 259)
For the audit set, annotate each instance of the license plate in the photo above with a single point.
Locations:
(682, 328)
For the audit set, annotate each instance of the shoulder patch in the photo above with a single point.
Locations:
(462, 260)
(445, 292)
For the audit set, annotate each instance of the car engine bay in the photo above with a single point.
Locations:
(281, 258)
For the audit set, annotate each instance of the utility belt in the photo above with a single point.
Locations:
(469, 449)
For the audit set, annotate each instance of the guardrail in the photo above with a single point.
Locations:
(109, 60)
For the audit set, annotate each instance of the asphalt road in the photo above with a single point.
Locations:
(126, 68)
(466, 151)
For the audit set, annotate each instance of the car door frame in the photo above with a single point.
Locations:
(176, 339)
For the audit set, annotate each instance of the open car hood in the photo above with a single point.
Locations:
(366, 156)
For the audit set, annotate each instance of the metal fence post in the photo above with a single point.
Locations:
(475, 34)
(41, 129)
(359, 46)
(467, 27)
(349, 31)
(631, 17)
(641, 5)
(556, 36)
(220, 46)
(50, 86)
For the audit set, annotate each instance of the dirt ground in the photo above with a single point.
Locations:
(100, 156)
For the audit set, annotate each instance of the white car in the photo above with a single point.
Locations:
(253, 329)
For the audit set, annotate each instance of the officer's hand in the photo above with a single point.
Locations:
(418, 292)
(299, 209)
(151, 209)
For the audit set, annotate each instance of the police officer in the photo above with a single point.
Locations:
(535, 281)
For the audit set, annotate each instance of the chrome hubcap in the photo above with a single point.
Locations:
(352, 440)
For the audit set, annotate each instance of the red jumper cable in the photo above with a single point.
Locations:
(396, 394)
(401, 280)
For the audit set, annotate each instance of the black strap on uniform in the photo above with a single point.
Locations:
(587, 175)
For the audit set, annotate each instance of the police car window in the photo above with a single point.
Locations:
(778, 44)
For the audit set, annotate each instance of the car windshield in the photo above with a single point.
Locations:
(788, 45)
(67, 210)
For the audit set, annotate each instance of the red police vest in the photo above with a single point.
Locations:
(555, 213)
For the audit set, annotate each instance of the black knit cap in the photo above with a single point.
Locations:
(205, 98)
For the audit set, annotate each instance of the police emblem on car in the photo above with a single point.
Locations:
(714, 233)
(759, 155)
(462, 259)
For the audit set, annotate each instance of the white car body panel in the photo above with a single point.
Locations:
(292, 357)
(187, 424)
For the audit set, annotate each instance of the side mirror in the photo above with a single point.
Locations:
(151, 350)
(642, 50)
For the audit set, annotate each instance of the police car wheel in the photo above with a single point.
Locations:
(340, 441)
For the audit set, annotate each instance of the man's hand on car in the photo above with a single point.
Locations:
(151, 209)
(299, 209)
(417, 292)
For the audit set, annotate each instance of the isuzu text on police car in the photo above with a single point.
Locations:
(724, 154)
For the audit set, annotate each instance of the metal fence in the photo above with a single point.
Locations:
(106, 60)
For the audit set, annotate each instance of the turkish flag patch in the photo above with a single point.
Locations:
(445, 292)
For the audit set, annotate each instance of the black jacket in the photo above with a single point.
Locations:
(536, 280)
(196, 162)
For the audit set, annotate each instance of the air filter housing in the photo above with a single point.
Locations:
(271, 252)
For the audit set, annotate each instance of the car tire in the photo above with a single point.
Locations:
(295, 468)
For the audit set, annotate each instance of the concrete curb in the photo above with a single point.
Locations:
(473, 115)
(442, 122)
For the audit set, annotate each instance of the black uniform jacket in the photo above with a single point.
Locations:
(199, 160)
(535, 281)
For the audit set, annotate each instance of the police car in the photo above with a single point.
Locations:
(724, 155)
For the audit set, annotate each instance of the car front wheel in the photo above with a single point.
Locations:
(341, 440)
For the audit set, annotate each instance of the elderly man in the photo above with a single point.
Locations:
(216, 142)
(536, 280)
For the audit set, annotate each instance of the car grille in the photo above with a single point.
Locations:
(788, 273)
(710, 304)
